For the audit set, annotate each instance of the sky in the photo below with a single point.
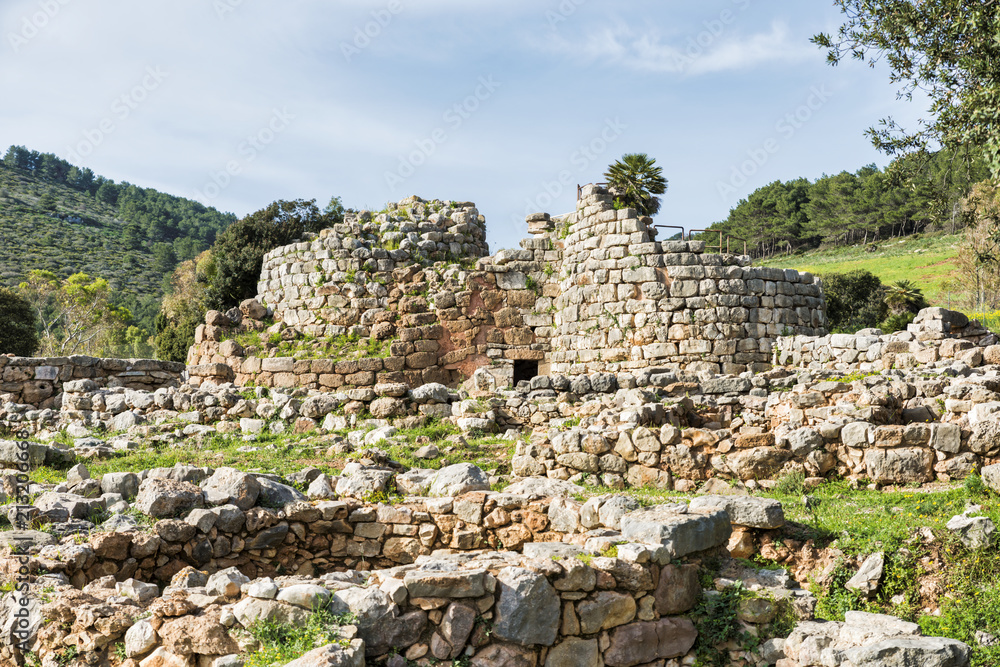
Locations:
(506, 103)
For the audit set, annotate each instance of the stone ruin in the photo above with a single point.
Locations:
(592, 291)
(609, 357)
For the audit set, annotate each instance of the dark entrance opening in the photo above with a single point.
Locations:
(524, 369)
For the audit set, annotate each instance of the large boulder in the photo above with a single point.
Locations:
(991, 477)
(454, 480)
(677, 529)
(160, 497)
(747, 511)
(333, 655)
(124, 483)
(528, 609)
(758, 462)
(974, 532)
(430, 393)
(276, 494)
(902, 465)
(923, 651)
(357, 481)
(242, 488)
(378, 619)
(545, 487)
(650, 641)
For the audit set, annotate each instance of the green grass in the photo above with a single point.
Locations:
(929, 261)
(280, 643)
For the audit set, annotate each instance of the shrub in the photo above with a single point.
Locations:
(18, 324)
(239, 251)
(854, 300)
(896, 322)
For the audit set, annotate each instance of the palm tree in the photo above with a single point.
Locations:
(634, 180)
(904, 297)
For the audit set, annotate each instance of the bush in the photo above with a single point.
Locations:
(854, 301)
(897, 322)
(18, 324)
(239, 251)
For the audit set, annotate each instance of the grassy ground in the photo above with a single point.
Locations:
(928, 261)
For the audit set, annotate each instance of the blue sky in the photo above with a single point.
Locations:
(506, 103)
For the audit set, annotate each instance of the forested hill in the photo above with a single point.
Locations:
(914, 194)
(65, 219)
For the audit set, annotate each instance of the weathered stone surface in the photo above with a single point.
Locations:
(574, 652)
(333, 655)
(922, 651)
(869, 575)
(647, 641)
(276, 494)
(605, 610)
(749, 511)
(902, 465)
(453, 584)
(186, 635)
(991, 477)
(160, 497)
(124, 483)
(457, 479)
(974, 532)
(527, 611)
(242, 488)
(140, 639)
(677, 590)
(679, 531)
(249, 610)
(430, 393)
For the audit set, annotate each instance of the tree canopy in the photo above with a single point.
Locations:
(946, 50)
(239, 251)
(18, 334)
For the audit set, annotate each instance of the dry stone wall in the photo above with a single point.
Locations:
(410, 297)
(936, 334)
(37, 382)
(552, 580)
(627, 301)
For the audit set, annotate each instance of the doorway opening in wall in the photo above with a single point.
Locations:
(524, 369)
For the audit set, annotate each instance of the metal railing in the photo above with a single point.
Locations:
(725, 241)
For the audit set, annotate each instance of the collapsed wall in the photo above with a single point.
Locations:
(406, 296)
(36, 383)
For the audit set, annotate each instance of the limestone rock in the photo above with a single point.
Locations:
(679, 531)
(528, 609)
(648, 641)
(974, 532)
(457, 479)
(747, 511)
(869, 575)
(160, 497)
(242, 488)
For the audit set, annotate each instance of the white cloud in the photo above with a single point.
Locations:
(702, 52)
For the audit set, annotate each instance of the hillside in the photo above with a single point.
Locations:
(56, 217)
(928, 261)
